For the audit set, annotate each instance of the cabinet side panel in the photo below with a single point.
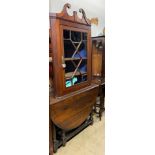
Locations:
(55, 34)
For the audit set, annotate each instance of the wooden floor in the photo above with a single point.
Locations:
(88, 142)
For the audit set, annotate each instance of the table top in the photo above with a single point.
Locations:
(54, 100)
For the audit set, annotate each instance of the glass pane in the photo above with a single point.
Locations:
(68, 49)
(83, 66)
(84, 78)
(69, 66)
(66, 34)
(84, 36)
(82, 52)
(76, 36)
(75, 57)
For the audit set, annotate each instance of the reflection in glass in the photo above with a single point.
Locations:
(82, 52)
(71, 82)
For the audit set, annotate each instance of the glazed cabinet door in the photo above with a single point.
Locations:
(76, 57)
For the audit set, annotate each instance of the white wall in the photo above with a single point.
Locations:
(93, 8)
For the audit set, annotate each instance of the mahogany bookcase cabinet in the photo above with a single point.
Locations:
(74, 94)
(71, 47)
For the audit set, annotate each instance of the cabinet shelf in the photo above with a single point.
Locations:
(69, 74)
(69, 59)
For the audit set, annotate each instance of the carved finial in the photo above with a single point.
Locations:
(74, 13)
(83, 12)
(84, 15)
(67, 5)
(63, 15)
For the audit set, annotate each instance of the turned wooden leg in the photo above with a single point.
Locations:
(100, 114)
(99, 103)
(95, 106)
(50, 139)
(91, 118)
(63, 138)
(55, 145)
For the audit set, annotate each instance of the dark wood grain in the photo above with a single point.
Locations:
(98, 56)
(72, 110)
(98, 70)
